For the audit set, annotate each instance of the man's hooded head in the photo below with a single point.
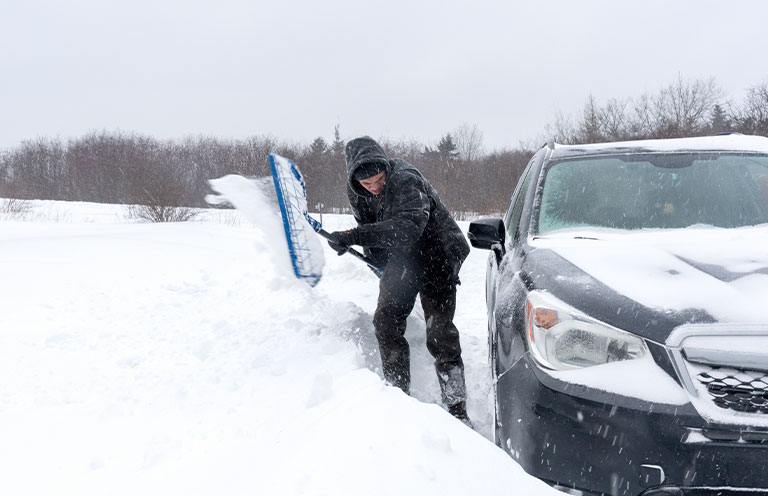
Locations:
(368, 169)
(365, 158)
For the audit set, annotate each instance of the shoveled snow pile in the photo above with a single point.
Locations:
(186, 359)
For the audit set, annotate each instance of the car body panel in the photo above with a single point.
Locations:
(600, 444)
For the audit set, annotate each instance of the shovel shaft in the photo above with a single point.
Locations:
(322, 232)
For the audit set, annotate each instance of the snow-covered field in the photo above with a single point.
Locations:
(186, 359)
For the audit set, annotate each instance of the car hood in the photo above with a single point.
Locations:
(657, 279)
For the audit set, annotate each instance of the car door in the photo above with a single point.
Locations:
(508, 288)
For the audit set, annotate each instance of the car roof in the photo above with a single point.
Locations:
(729, 143)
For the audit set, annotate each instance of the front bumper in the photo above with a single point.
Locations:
(602, 442)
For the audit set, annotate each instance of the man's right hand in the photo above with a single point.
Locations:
(342, 240)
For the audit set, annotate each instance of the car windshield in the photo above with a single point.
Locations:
(660, 191)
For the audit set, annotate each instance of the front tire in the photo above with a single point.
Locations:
(492, 366)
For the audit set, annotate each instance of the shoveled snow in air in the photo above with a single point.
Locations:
(187, 359)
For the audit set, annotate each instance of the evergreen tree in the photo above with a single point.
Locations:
(318, 147)
(719, 122)
(589, 127)
(337, 147)
(447, 148)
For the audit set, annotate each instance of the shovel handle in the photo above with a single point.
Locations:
(318, 227)
(378, 270)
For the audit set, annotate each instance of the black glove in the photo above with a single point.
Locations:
(342, 240)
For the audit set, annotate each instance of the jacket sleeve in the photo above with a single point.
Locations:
(363, 214)
(408, 218)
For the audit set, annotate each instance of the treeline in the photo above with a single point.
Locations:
(129, 168)
(469, 181)
(683, 108)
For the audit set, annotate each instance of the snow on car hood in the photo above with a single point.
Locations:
(721, 271)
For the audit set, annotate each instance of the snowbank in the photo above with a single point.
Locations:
(182, 359)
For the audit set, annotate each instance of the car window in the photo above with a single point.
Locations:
(513, 220)
(655, 191)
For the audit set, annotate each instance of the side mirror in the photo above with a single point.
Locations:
(488, 234)
(484, 233)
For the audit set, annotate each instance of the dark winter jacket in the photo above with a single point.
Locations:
(406, 221)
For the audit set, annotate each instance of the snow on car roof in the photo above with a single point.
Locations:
(730, 142)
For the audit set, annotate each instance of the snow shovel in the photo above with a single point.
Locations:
(292, 198)
(322, 232)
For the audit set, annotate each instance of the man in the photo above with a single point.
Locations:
(405, 228)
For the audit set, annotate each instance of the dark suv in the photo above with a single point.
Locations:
(627, 294)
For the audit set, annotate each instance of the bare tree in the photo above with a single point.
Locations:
(158, 197)
(408, 149)
(37, 168)
(562, 129)
(589, 127)
(14, 207)
(683, 107)
(752, 116)
(469, 141)
(641, 121)
(614, 121)
(11, 206)
(161, 213)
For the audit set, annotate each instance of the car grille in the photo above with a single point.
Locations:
(735, 436)
(738, 390)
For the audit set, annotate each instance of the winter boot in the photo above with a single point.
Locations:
(451, 379)
(399, 381)
(396, 367)
(459, 410)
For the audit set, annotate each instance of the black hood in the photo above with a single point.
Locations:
(363, 150)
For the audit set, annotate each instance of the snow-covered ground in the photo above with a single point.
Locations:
(186, 359)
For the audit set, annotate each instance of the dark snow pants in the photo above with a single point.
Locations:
(436, 284)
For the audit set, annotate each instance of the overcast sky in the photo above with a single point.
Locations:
(295, 69)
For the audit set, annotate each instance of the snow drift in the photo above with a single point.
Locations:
(187, 359)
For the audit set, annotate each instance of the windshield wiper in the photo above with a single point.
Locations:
(574, 237)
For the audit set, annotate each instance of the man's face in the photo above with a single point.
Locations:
(375, 184)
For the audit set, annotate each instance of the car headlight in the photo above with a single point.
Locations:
(562, 337)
